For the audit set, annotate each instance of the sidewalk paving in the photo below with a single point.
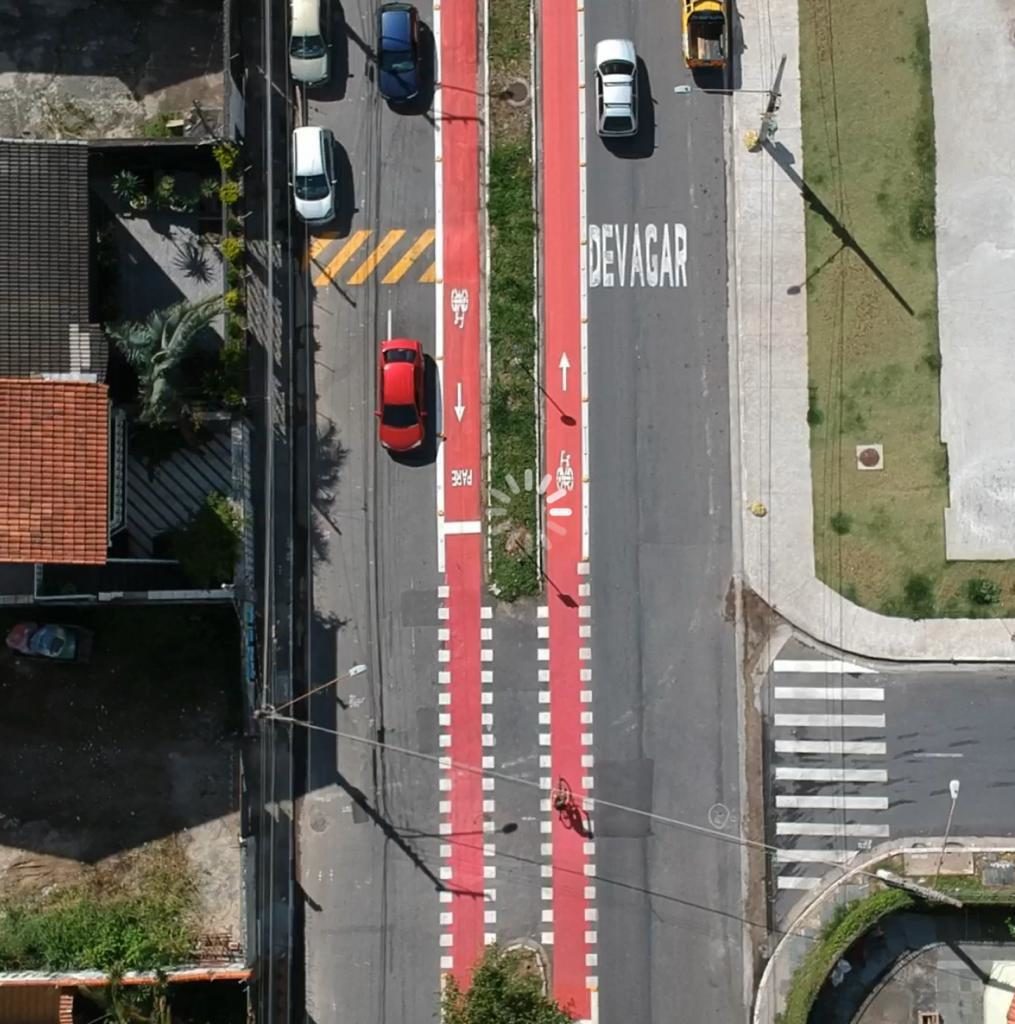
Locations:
(769, 360)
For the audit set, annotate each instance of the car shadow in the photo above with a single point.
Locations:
(337, 31)
(427, 452)
(642, 145)
(421, 103)
(345, 192)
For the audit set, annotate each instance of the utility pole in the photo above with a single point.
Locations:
(769, 126)
(953, 792)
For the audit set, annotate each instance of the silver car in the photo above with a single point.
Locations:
(616, 88)
(314, 174)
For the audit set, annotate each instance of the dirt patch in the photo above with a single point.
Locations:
(106, 68)
(138, 748)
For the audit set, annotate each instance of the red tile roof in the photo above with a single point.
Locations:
(54, 466)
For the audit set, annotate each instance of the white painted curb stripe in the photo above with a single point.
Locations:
(463, 526)
(438, 180)
(829, 693)
(838, 721)
(835, 829)
(823, 667)
(797, 882)
(813, 856)
(835, 802)
(829, 747)
(831, 775)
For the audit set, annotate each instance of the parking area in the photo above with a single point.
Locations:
(137, 748)
(107, 68)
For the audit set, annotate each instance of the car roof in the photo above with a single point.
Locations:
(615, 49)
(395, 21)
(308, 150)
(399, 383)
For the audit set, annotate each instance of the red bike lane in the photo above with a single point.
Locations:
(568, 613)
(459, 475)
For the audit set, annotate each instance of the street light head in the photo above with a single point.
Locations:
(953, 788)
(357, 670)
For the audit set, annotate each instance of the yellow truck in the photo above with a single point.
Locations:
(704, 33)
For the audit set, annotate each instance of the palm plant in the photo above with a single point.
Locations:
(154, 349)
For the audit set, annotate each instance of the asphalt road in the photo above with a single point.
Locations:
(368, 852)
(665, 702)
(858, 759)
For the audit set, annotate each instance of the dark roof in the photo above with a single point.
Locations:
(45, 245)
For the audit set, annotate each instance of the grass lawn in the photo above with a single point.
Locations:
(868, 140)
(514, 533)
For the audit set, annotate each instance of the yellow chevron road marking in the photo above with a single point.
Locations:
(398, 271)
(429, 276)
(369, 265)
(341, 257)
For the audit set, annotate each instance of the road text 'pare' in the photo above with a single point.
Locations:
(637, 256)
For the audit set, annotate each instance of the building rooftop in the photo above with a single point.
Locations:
(54, 468)
(45, 261)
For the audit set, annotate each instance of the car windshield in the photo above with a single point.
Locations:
(307, 47)
(311, 186)
(399, 416)
(399, 355)
(617, 124)
(396, 59)
(615, 67)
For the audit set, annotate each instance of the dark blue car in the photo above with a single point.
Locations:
(398, 52)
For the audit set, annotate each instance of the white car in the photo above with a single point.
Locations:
(313, 173)
(308, 49)
(616, 88)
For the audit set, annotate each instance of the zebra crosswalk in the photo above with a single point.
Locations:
(828, 780)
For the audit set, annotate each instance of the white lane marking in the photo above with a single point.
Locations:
(839, 721)
(389, 324)
(836, 829)
(835, 802)
(831, 774)
(438, 188)
(812, 856)
(937, 755)
(829, 693)
(829, 747)
(797, 882)
(462, 526)
(822, 667)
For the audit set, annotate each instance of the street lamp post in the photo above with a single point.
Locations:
(953, 792)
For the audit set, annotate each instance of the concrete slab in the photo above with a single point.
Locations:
(925, 865)
(975, 139)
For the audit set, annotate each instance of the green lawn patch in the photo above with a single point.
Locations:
(874, 361)
(513, 428)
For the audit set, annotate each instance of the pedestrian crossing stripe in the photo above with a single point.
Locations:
(365, 254)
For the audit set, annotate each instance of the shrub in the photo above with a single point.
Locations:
(232, 248)
(842, 523)
(126, 185)
(233, 300)
(230, 192)
(815, 417)
(982, 591)
(165, 190)
(225, 154)
(918, 596)
(209, 188)
(207, 548)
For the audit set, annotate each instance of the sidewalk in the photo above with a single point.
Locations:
(768, 336)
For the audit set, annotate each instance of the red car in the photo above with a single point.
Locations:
(400, 395)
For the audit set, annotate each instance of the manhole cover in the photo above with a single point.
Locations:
(870, 456)
(319, 823)
(516, 93)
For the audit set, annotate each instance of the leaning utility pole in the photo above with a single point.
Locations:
(769, 126)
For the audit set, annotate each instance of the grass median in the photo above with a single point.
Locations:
(512, 413)
(874, 360)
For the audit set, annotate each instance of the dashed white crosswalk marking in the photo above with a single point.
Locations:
(828, 668)
(798, 881)
(833, 802)
(813, 856)
(829, 693)
(831, 775)
(838, 721)
(837, 830)
(874, 747)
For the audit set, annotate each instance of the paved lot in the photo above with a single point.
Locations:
(136, 747)
(857, 757)
(101, 68)
(975, 259)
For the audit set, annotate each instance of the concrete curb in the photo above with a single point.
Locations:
(796, 936)
(770, 265)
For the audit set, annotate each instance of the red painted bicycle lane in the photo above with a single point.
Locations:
(459, 505)
(574, 935)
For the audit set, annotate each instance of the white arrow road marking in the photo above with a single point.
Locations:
(459, 406)
(565, 365)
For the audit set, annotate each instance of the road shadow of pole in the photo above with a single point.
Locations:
(784, 158)
(568, 421)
